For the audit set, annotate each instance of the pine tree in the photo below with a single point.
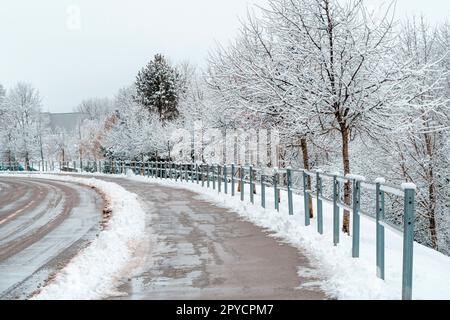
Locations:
(157, 88)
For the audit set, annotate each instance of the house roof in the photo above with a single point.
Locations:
(65, 121)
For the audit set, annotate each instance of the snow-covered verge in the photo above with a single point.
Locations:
(344, 277)
(91, 274)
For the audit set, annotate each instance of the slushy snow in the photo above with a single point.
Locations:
(91, 274)
(344, 277)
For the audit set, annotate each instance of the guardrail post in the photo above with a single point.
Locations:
(380, 228)
(232, 180)
(356, 217)
(225, 177)
(219, 177)
(335, 211)
(319, 203)
(408, 241)
(289, 191)
(196, 172)
(275, 190)
(241, 177)
(252, 200)
(213, 177)
(154, 169)
(263, 191)
(167, 170)
(163, 170)
(202, 169)
(306, 199)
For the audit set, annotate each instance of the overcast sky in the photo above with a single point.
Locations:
(69, 58)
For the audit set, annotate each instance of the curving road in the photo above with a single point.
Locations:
(43, 224)
(193, 250)
(196, 250)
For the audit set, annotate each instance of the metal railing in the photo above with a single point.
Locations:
(225, 178)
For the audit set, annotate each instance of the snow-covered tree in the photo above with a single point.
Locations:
(158, 88)
(135, 133)
(7, 132)
(95, 108)
(25, 106)
(423, 128)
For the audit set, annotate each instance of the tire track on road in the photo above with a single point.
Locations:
(45, 233)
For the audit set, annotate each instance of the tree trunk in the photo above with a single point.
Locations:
(239, 183)
(347, 186)
(42, 156)
(27, 162)
(9, 159)
(431, 194)
(432, 216)
(81, 159)
(304, 146)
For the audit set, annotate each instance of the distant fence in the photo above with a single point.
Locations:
(319, 185)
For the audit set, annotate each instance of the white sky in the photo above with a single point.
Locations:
(68, 60)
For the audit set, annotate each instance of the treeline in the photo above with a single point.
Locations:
(352, 89)
(349, 89)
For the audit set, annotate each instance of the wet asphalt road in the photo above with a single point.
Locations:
(196, 250)
(193, 249)
(43, 224)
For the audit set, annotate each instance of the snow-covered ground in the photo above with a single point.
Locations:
(345, 277)
(91, 274)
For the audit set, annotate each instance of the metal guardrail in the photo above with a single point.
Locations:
(224, 178)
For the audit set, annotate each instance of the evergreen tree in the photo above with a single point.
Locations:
(157, 88)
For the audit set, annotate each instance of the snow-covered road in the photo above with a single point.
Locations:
(43, 224)
(161, 243)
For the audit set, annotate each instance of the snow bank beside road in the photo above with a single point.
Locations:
(345, 277)
(91, 274)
